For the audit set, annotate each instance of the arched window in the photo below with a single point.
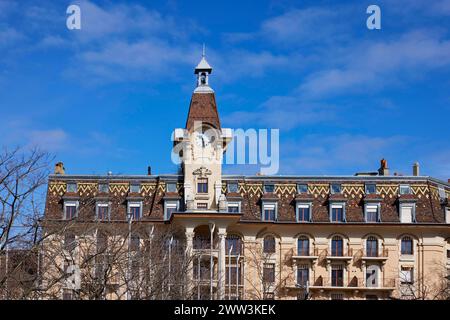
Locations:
(372, 247)
(337, 246)
(407, 245)
(303, 246)
(234, 243)
(269, 244)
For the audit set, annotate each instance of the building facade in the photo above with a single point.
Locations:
(201, 234)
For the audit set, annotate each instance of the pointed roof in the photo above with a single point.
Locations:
(203, 65)
(203, 108)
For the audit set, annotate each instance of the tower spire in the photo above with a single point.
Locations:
(204, 51)
(203, 70)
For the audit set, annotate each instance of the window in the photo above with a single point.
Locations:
(135, 188)
(269, 212)
(442, 194)
(405, 189)
(372, 276)
(302, 188)
(171, 187)
(135, 242)
(70, 210)
(69, 242)
(371, 189)
(232, 187)
(269, 188)
(234, 207)
(335, 188)
(337, 246)
(202, 185)
(303, 213)
(102, 242)
(407, 245)
(102, 211)
(68, 294)
(202, 205)
(303, 246)
(269, 273)
(337, 213)
(406, 275)
(407, 212)
(103, 188)
(170, 207)
(234, 243)
(134, 210)
(372, 213)
(337, 276)
(235, 274)
(71, 187)
(302, 275)
(372, 247)
(269, 244)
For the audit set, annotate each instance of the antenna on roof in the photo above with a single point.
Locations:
(204, 51)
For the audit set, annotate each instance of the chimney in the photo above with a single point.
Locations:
(59, 168)
(384, 170)
(416, 169)
(149, 170)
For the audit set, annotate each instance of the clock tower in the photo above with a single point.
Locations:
(203, 143)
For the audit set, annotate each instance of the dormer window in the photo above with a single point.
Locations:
(234, 207)
(70, 210)
(202, 185)
(407, 212)
(135, 210)
(405, 189)
(269, 188)
(371, 188)
(170, 206)
(372, 212)
(302, 188)
(335, 188)
(102, 211)
(103, 188)
(232, 187)
(71, 187)
(337, 212)
(303, 212)
(171, 187)
(269, 211)
(135, 188)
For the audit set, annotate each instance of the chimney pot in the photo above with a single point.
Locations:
(59, 168)
(149, 170)
(416, 169)
(384, 170)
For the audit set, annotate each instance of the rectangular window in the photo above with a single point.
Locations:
(233, 207)
(102, 211)
(103, 188)
(302, 188)
(406, 275)
(442, 194)
(135, 188)
(134, 210)
(70, 211)
(337, 276)
(372, 213)
(406, 213)
(302, 275)
(202, 185)
(269, 273)
(171, 187)
(335, 188)
(405, 189)
(71, 187)
(232, 187)
(171, 207)
(371, 189)
(337, 213)
(269, 212)
(303, 212)
(233, 271)
(337, 296)
(269, 188)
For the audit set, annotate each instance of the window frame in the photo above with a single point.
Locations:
(272, 272)
(304, 185)
(274, 244)
(302, 267)
(134, 204)
(413, 211)
(70, 203)
(200, 182)
(99, 187)
(404, 252)
(102, 204)
(302, 252)
(266, 185)
(370, 206)
(332, 189)
(337, 205)
(408, 186)
(234, 184)
(369, 185)
(134, 185)
(303, 205)
(275, 208)
(234, 204)
(71, 184)
(170, 204)
(174, 184)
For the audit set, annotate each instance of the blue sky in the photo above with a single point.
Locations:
(108, 96)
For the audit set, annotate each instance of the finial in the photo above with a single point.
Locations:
(204, 51)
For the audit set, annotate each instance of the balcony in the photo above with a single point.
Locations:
(377, 255)
(309, 255)
(356, 284)
(339, 255)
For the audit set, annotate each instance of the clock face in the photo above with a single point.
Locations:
(202, 140)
